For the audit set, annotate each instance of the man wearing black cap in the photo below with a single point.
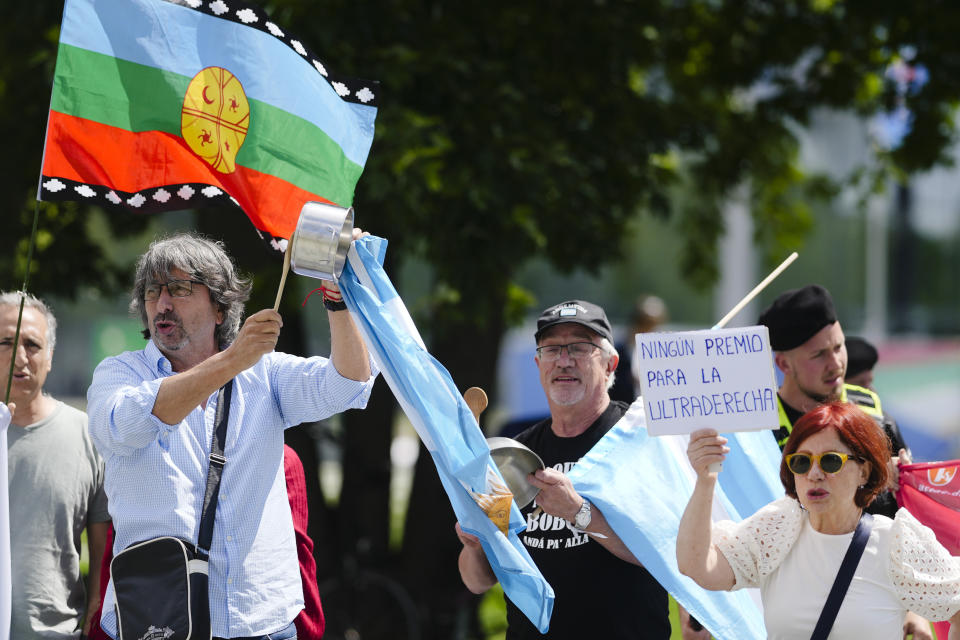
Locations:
(809, 348)
(861, 359)
(601, 590)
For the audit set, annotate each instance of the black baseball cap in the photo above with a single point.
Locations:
(578, 312)
(797, 315)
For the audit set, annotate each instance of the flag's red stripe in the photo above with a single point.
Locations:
(98, 154)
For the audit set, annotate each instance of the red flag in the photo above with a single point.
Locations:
(930, 491)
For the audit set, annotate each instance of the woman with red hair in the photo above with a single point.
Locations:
(833, 465)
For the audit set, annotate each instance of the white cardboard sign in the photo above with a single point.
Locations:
(721, 378)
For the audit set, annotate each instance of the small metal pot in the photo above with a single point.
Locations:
(321, 240)
(515, 461)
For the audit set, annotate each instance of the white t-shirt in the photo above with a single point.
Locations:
(903, 568)
(794, 594)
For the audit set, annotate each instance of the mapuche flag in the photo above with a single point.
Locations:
(160, 105)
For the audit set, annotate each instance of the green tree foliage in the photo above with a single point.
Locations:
(65, 256)
(521, 130)
(510, 130)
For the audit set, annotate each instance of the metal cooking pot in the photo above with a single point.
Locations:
(321, 240)
(515, 461)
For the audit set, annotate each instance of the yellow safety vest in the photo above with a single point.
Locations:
(864, 398)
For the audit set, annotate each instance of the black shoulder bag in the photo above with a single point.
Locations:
(847, 568)
(161, 584)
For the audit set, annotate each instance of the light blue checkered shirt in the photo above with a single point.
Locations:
(156, 475)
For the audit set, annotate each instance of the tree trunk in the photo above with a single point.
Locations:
(364, 510)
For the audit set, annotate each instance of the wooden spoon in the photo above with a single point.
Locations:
(477, 401)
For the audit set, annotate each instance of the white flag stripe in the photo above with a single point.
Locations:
(642, 485)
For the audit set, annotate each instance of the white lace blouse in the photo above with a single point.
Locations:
(903, 568)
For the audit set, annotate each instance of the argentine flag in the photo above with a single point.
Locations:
(438, 412)
(642, 484)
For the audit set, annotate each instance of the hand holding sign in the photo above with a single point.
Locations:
(706, 451)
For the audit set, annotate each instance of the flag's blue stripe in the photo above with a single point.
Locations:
(511, 562)
(751, 472)
(639, 484)
(377, 248)
(425, 385)
(178, 39)
(458, 449)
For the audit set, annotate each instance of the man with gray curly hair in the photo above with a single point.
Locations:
(152, 415)
(55, 484)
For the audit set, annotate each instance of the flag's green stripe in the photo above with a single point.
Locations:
(140, 98)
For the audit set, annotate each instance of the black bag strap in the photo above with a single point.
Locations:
(849, 565)
(215, 469)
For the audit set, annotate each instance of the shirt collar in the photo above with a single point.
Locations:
(159, 361)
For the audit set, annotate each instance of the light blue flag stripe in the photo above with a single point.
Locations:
(642, 485)
(438, 411)
(751, 473)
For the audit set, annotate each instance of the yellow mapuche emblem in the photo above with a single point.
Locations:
(215, 117)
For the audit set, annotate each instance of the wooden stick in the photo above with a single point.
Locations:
(23, 297)
(716, 467)
(757, 289)
(16, 343)
(283, 277)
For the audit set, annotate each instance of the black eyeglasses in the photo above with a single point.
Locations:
(176, 289)
(551, 352)
(830, 462)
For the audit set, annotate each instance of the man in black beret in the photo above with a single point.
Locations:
(808, 345)
(810, 349)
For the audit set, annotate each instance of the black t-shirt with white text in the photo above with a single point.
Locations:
(597, 594)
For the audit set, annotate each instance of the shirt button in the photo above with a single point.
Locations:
(229, 580)
(229, 538)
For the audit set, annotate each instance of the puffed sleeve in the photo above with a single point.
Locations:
(924, 574)
(756, 546)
